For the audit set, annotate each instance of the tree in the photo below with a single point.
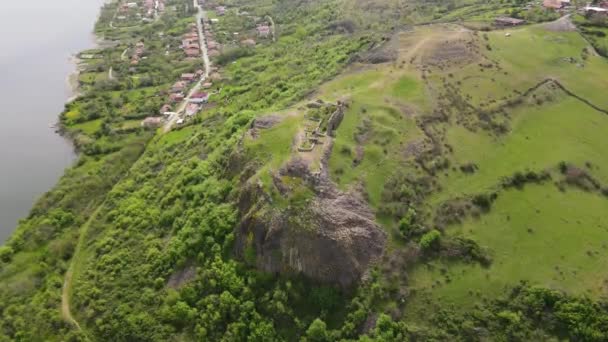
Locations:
(430, 239)
(406, 224)
(317, 331)
(6, 253)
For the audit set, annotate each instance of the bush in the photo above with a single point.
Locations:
(406, 224)
(430, 239)
(6, 253)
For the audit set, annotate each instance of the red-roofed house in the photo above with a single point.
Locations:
(263, 31)
(176, 97)
(192, 109)
(200, 97)
(152, 122)
(192, 52)
(553, 4)
(165, 108)
(188, 77)
(178, 87)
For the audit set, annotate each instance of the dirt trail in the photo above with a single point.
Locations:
(66, 311)
(65, 300)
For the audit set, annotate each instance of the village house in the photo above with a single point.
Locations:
(178, 87)
(165, 108)
(200, 97)
(191, 36)
(263, 30)
(220, 10)
(207, 85)
(192, 108)
(590, 10)
(176, 97)
(194, 46)
(506, 21)
(555, 4)
(152, 122)
(212, 45)
(199, 73)
(192, 52)
(188, 77)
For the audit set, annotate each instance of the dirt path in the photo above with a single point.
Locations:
(66, 291)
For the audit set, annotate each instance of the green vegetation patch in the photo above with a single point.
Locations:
(540, 138)
(540, 234)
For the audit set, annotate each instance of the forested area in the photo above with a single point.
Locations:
(147, 220)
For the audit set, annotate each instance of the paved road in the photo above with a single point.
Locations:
(205, 56)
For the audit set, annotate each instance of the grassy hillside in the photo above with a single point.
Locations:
(458, 175)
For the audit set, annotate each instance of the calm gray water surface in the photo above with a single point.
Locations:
(37, 38)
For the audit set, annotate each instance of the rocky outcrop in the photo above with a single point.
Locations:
(333, 238)
(335, 119)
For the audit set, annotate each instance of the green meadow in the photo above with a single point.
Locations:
(539, 235)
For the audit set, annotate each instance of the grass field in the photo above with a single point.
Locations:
(539, 234)
(380, 122)
(89, 127)
(521, 66)
(541, 137)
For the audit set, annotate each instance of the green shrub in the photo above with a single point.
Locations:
(430, 240)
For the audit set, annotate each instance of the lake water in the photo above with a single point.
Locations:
(37, 38)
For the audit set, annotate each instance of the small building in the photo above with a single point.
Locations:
(188, 77)
(507, 21)
(214, 20)
(220, 10)
(200, 73)
(176, 97)
(553, 4)
(590, 10)
(207, 85)
(152, 122)
(178, 87)
(200, 97)
(212, 45)
(165, 108)
(213, 53)
(263, 30)
(193, 46)
(192, 108)
(192, 52)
